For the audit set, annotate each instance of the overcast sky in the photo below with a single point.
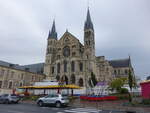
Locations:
(122, 28)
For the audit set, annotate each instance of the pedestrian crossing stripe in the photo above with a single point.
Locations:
(82, 110)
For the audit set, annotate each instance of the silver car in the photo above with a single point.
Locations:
(57, 99)
(9, 98)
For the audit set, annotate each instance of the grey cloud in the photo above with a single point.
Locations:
(121, 28)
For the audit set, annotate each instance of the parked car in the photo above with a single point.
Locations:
(57, 99)
(9, 98)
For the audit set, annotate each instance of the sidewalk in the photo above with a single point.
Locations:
(109, 105)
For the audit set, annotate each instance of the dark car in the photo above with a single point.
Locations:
(9, 98)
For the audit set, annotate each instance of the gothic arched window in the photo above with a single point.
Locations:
(53, 69)
(81, 66)
(58, 68)
(1, 84)
(81, 82)
(64, 79)
(73, 79)
(57, 77)
(73, 66)
(66, 51)
(65, 66)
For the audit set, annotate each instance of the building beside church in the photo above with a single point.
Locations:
(13, 76)
(71, 62)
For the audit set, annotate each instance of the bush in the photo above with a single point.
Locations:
(34, 97)
(121, 96)
(146, 101)
(123, 91)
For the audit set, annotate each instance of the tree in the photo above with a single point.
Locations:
(92, 80)
(117, 84)
(131, 83)
(130, 80)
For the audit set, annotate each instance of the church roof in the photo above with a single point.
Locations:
(88, 23)
(53, 33)
(34, 68)
(68, 33)
(120, 63)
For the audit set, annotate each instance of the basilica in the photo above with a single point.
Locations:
(71, 62)
(67, 61)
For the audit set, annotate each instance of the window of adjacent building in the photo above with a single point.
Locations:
(107, 69)
(33, 78)
(115, 72)
(73, 66)
(58, 68)
(53, 69)
(118, 71)
(20, 84)
(1, 84)
(7, 72)
(126, 71)
(22, 76)
(81, 66)
(10, 85)
(2, 72)
(12, 74)
(65, 66)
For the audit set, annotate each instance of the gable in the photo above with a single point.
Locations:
(68, 39)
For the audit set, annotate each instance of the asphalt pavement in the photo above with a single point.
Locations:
(32, 108)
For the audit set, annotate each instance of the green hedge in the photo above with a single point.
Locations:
(146, 101)
(33, 98)
(121, 96)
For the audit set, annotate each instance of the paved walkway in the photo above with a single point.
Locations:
(110, 105)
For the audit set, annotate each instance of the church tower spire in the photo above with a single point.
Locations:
(89, 39)
(88, 23)
(53, 33)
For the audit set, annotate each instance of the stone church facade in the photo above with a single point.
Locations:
(70, 61)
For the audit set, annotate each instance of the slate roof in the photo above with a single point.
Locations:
(120, 63)
(34, 68)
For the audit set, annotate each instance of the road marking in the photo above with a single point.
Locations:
(82, 110)
(15, 111)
